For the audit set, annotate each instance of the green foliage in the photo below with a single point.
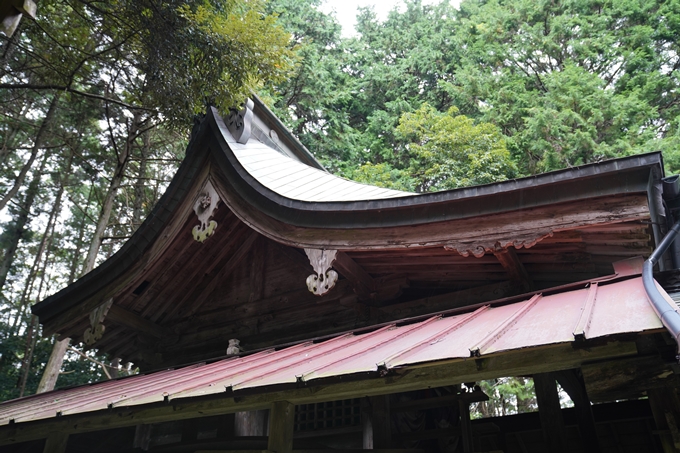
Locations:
(507, 396)
(449, 150)
(570, 82)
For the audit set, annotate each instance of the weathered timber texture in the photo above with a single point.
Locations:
(515, 269)
(627, 378)
(520, 363)
(665, 406)
(281, 427)
(56, 442)
(573, 384)
(554, 433)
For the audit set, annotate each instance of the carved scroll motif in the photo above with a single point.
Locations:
(325, 277)
(205, 207)
(239, 122)
(479, 248)
(96, 330)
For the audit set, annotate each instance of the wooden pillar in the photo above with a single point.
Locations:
(142, 437)
(573, 384)
(666, 411)
(465, 425)
(281, 426)
(375, 416)
(56, 443)
(251, 423)
(550, 413)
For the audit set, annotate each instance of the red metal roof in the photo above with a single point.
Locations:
(598, 310)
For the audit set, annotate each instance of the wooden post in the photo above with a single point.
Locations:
(573, 384)
(281, 426)
(465, 425)
(56, 443)
(550, 413)
(377, 432)
(666, 411)
(251, 423)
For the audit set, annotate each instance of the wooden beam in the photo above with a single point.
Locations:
(126, 318)
(465, 425)
(375, 418)
(550, 413)
(514, 267)
(363, 284)
(56, 442)
(665, 406)
(281, 427)
(517, 363)
(627, 378)
(573, 384)
(443, 401)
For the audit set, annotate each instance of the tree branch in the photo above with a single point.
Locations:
(29, 86)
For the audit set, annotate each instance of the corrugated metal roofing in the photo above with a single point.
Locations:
(596, 311)
(293, 179)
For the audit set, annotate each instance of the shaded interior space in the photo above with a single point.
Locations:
(427, 425)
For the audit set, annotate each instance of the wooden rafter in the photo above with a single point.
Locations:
(515, 269)
(362, 283)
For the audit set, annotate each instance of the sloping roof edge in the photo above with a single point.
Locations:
(615, 177)
(577, 315)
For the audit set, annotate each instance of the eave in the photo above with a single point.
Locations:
(515, 213)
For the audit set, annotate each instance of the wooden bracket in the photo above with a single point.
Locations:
(514, 267)
(95, 332)
(324, 278)
(205, 207)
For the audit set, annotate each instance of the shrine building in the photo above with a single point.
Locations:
(274, 307)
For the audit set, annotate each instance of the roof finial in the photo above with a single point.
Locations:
(239, 122)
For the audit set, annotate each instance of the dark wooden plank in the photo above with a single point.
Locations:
(665, 406)
(442, 401)
(56, 442)
(361, 281)
(550, 413)
(627, 378)
(281, 427)
(257, 270)
(465, 425)
(133, 321)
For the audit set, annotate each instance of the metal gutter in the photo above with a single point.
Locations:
(668, 315)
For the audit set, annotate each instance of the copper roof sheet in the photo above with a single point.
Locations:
(595, 311)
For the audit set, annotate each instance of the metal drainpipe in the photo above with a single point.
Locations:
(670, 318)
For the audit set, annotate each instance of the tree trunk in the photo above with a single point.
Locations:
(107, 206)
(37, 144)
(51, 373)
(16, 230)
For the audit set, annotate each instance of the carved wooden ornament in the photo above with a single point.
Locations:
(239, 122)
(205, 207)
(325, 277)
(96, 330)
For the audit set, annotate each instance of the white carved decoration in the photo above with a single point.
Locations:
(239, 122)
(96, 330)
(325, 277)
(205, 207)
(480, 247)
(234, 347)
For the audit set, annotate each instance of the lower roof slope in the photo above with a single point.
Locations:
(602, 308)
